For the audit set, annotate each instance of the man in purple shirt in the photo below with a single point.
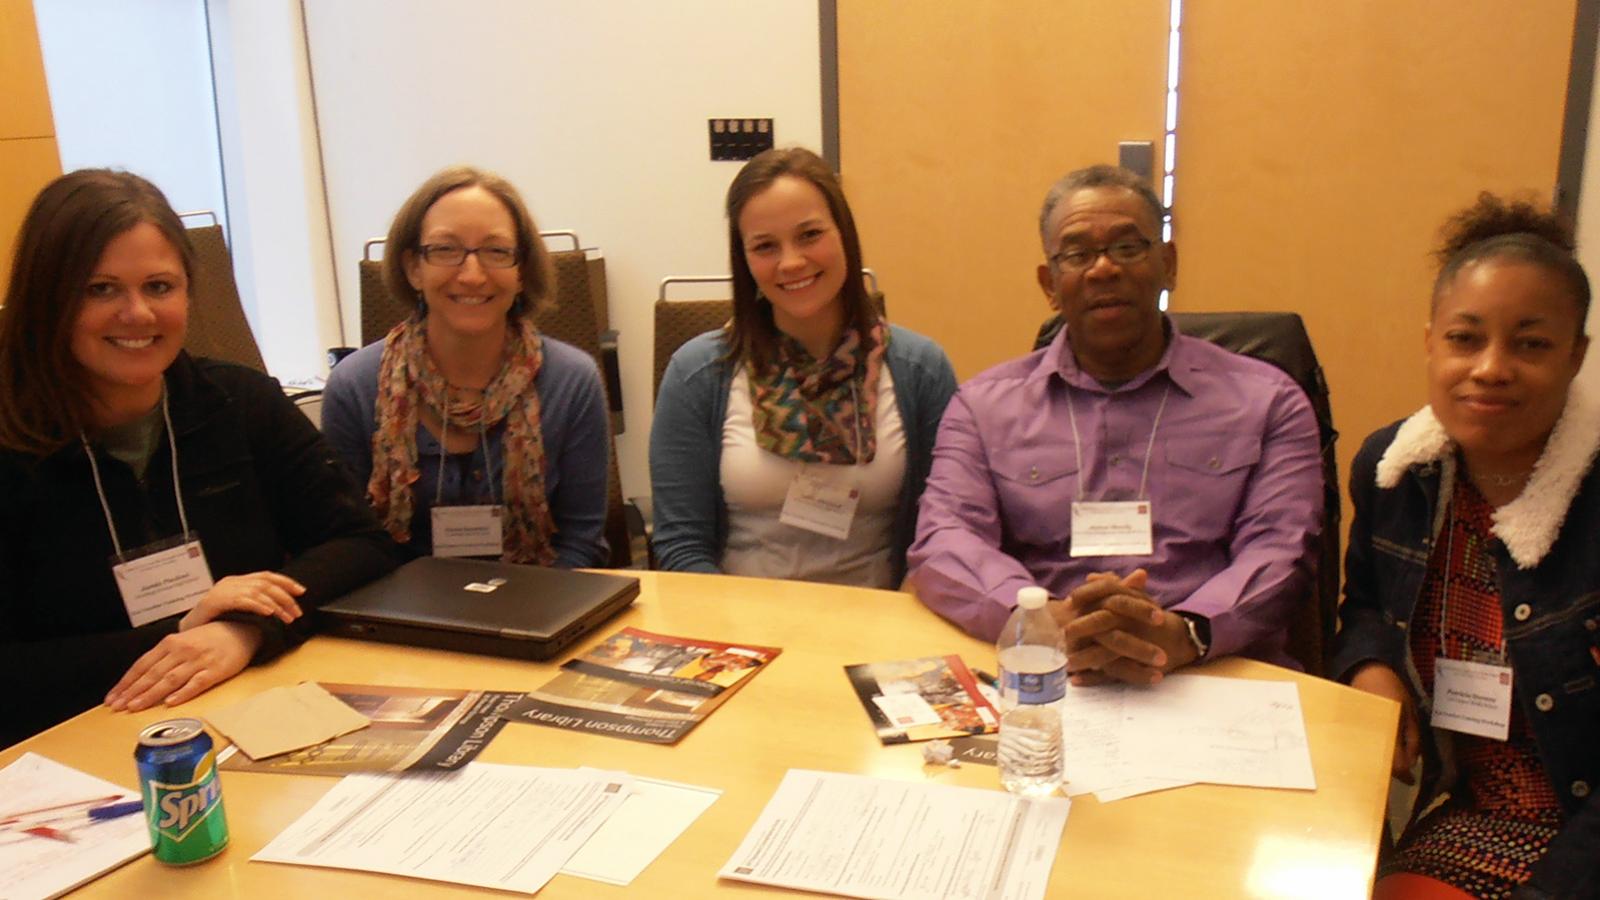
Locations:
(1168, 490)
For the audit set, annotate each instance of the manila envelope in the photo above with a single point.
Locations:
(286, 718)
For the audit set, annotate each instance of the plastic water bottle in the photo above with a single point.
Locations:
(1033, 678)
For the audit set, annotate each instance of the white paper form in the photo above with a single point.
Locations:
(871, 837)
(1091, 746)
(1219, 730)
(495, 826)
(37, 867)
(647, 823)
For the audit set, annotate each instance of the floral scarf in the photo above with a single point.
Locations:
(820, 411)
(408, 381)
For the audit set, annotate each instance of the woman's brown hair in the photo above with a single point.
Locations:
(405, 235)
(753, 337)
(44, 390)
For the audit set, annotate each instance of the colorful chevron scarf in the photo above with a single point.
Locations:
(821, 411)
(409, 381)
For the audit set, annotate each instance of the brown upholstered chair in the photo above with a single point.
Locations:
(380, 311)
(679, 320)
(578, 274)
(217, 324)
(599, 293)
(569, 317)
(610, 362)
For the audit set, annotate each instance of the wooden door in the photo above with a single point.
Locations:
(955, 118)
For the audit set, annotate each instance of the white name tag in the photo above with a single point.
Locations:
(822, 502)
(1120, 528)
(162, 582)
(467, 530)
(1472, 698)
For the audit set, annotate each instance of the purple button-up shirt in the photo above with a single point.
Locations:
(1235, 485)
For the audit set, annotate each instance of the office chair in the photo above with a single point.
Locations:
(218, 327)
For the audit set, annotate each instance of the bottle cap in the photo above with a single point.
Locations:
(1032, 597)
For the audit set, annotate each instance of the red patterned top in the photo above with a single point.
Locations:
(1503, 811)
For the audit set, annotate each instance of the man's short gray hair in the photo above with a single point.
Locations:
(1101, 176)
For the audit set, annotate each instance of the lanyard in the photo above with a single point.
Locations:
(483, 443)
(1444, 591)
(1077, 447)
(177, 489)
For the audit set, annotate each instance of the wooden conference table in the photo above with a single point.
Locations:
(1199, 841)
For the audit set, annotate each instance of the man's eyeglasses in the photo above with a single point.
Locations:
(1122, 252)
(455, 255)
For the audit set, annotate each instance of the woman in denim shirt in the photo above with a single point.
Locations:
(1472, 585)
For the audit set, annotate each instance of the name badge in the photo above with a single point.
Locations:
(163, 579)
(1121, 528)
(1472, 698)
(822, 504)
(467, 530)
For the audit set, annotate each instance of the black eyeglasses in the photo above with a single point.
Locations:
(455, 255)
(1121, 251)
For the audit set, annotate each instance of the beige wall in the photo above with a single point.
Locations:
(954, 118)
(1321, 145)
(28, 155)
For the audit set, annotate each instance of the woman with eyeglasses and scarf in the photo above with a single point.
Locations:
(474, 434)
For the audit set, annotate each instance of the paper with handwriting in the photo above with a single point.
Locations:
(1122, 740)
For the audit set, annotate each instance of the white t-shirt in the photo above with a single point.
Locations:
(755, 484)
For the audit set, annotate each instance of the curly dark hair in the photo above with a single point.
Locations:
(1517, 230)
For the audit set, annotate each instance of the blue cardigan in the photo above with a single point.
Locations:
(691, 516)
(576, 431)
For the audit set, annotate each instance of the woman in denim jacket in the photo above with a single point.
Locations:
(1472, 590)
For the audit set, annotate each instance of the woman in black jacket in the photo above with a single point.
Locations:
(163, 519)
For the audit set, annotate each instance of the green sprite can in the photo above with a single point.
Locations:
(182, 796)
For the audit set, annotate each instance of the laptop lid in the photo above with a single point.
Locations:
(470, 596)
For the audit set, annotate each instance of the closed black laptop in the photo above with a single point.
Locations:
(472, 606)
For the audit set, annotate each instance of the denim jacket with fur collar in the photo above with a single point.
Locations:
(1548, 560)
